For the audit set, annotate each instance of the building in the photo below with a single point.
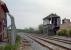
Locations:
(66, 24)
(3, 21)
(51, 24)
(65, 21)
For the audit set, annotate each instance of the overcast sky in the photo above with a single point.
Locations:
(29, 13)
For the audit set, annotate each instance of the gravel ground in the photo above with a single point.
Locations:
(25, 45)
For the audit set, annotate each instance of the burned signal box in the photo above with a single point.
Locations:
(51, 24)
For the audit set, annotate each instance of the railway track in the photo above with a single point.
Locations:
(57, 43)
(60, 40)
(56, 39)
(51, 43)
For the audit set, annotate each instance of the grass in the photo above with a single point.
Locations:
(10, 46)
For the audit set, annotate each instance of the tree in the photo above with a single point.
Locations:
(31, 30)
(40, 28)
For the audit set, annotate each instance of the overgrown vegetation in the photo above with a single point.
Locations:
(64, 32)
(61, 32)
(32, 30)
(11, 47)
(40, 28)
(69, 32)
(26, 30)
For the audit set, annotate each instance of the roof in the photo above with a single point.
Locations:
(51, 16)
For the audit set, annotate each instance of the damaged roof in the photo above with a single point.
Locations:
(51, 16)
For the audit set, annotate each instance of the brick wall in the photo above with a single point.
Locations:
(2, 16)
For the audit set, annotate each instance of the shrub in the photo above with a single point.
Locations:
(69, 32)
(18, 38)
(62, 32)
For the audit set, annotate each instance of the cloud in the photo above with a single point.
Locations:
(29, 13)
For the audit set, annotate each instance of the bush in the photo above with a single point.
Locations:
(69, 32)
(62, 32)
(18, 38)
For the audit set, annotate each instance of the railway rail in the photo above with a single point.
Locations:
(51, 43)
(60, 40)
(55, 38)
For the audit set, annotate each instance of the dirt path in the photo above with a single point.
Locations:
(25, 45)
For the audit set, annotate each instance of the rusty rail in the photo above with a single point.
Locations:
(51, 44)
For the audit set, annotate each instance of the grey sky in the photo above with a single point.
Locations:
(29, 13)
